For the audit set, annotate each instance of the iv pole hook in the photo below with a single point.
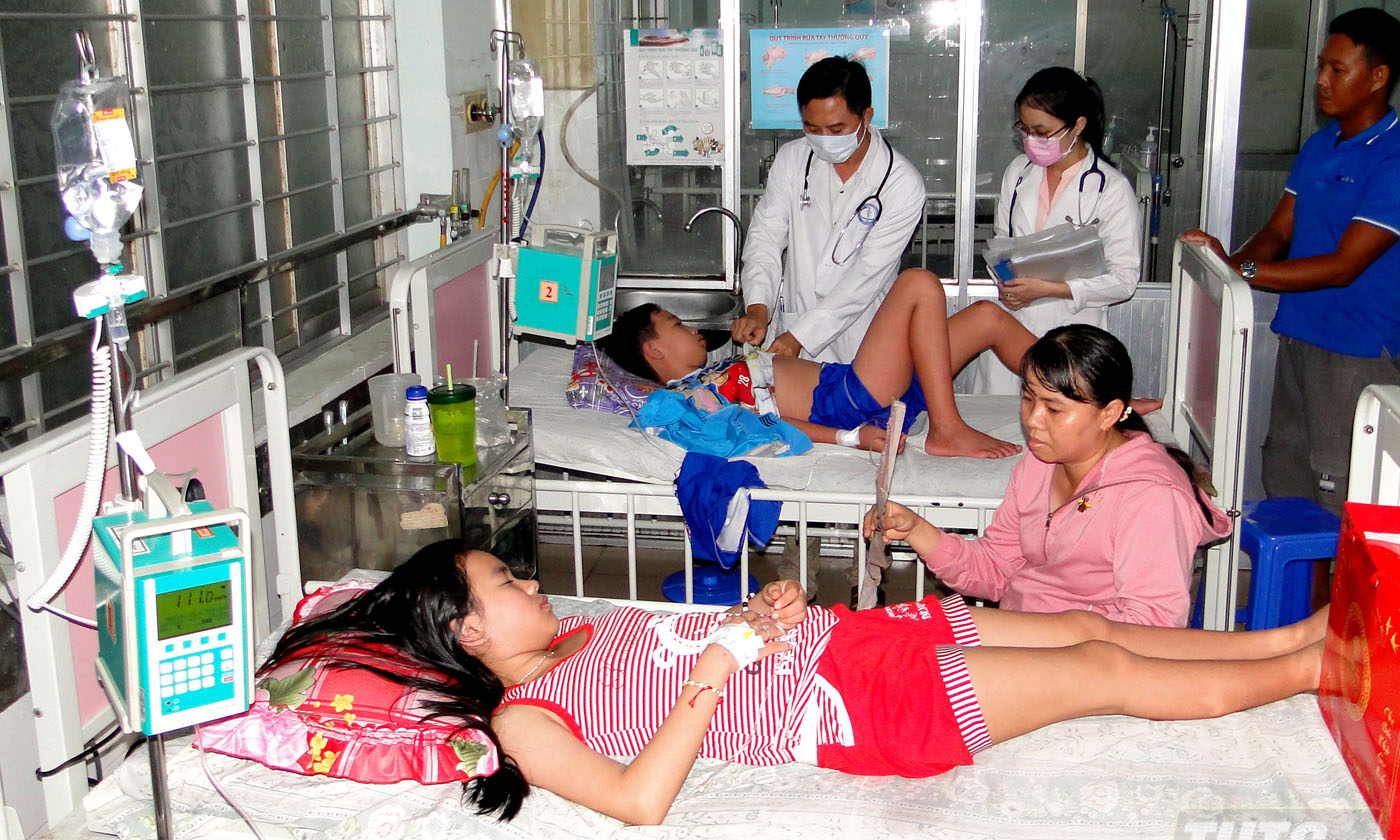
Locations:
(87, 57)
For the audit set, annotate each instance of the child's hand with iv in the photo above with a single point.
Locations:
(901, 523)
(784, 601)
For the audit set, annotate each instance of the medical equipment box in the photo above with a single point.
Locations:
(174, 619)
(1360, 687)
(565, 280)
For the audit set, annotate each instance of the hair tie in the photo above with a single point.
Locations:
(1127, 412)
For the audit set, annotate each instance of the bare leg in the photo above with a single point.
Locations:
(1006, 628)
(1024, 689)
(910, 334)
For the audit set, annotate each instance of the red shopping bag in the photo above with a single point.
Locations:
(1360, 690)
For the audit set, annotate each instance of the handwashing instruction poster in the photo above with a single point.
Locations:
(779, 57)
(675, 97)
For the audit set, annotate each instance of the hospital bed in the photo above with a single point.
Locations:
(615, 479)
(1102, 777)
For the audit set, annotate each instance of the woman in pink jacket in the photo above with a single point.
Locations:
(1098, 516)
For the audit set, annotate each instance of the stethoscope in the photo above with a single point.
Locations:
(1078, 203)
(867, 213)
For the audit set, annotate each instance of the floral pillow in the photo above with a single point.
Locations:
(347, 722)
(599, 383)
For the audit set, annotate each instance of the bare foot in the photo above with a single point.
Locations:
(1143, 405)
(1312, 666)
(968, 443)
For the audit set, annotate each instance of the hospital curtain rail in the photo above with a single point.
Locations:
(255, 123)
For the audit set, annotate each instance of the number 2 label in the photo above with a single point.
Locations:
(549, 291)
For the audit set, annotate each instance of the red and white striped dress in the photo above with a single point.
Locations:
(616, 691)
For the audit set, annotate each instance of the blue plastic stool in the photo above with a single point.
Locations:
(1284, 539)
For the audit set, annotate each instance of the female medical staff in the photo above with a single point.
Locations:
(1062, 178)
(842, 204)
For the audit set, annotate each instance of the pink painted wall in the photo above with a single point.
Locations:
(201, 446)
(461, 313)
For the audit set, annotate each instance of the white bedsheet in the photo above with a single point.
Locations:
(596, 442)
(1107, 778)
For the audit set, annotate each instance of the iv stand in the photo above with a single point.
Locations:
(501, 41)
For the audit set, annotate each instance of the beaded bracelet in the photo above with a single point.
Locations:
(704, 687)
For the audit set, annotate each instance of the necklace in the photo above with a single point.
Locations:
(538, 662)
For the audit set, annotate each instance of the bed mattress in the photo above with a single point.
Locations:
(1108, 778)
(597, 443)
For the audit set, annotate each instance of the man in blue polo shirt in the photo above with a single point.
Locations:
(1327, 250)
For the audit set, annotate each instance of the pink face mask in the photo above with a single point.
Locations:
(1045, 151)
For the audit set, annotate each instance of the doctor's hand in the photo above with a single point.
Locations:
(751, 327)
(785, 345)
(1019, 291)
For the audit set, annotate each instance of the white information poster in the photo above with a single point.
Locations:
(675, 97)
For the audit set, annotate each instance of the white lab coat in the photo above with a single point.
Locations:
(827, 306)
(1120, 228)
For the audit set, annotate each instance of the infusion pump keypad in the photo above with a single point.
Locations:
(195, 671)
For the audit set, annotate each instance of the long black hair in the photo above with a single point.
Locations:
(1090, 365)
(1066, 96)
(415, 612)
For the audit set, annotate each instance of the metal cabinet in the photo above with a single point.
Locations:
(362, 505)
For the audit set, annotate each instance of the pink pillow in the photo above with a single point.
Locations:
(348, 723)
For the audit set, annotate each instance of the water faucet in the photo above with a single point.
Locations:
(636, 203)
(738, 226)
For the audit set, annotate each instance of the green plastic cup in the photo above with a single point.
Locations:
(454, 423)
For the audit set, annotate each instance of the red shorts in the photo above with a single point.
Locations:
(902, 676)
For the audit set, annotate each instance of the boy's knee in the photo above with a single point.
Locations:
(920, 282)
(1089, 626)
(985, 311)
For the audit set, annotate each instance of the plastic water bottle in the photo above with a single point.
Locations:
(417, 423)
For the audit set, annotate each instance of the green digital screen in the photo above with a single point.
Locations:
(191, 610)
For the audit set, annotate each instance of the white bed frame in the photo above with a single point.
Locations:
(1206, 403)
(1375, 447)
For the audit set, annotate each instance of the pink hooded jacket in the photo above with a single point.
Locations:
(1121, 547)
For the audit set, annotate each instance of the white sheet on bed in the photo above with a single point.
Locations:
(1107, 778)
(600, 443)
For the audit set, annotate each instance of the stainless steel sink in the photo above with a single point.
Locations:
(703, 309)
(711, 311)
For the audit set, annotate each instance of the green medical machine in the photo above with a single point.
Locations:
(174, 619)
(565, 281)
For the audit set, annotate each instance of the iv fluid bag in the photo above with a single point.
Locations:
(96, 160)
(526, 98)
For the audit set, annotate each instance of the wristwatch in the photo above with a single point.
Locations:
(1248, 269)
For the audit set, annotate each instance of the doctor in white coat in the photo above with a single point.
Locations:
(842, 205)
(1062, 178)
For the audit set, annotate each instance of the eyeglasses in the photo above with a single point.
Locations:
(1021, 127)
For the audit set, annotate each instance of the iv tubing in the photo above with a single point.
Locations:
(534, 194)
(92, 484)
(490, 188)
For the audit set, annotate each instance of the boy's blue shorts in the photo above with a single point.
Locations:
(841, 401)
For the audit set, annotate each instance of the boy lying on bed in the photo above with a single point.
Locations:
(911, 351)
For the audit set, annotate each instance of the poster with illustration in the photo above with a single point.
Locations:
(675, 97)
(779, 57)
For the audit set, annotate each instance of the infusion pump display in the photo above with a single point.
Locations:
(191, 610)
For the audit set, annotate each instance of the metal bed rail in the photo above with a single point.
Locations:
(809, 512)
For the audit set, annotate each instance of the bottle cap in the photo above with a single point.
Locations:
(416, 392)
(459, 393)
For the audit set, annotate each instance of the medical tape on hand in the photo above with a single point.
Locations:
(849, 438)
(741, 641)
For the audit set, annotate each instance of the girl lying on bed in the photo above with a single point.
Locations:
(1098, 516)
(913, 689)
(912, 348)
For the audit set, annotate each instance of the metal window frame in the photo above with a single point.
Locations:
(124, 25)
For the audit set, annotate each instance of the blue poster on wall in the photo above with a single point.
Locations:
(779, 57)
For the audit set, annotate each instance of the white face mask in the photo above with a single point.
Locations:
(835, 148)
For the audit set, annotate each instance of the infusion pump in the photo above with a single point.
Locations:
(174, 616)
